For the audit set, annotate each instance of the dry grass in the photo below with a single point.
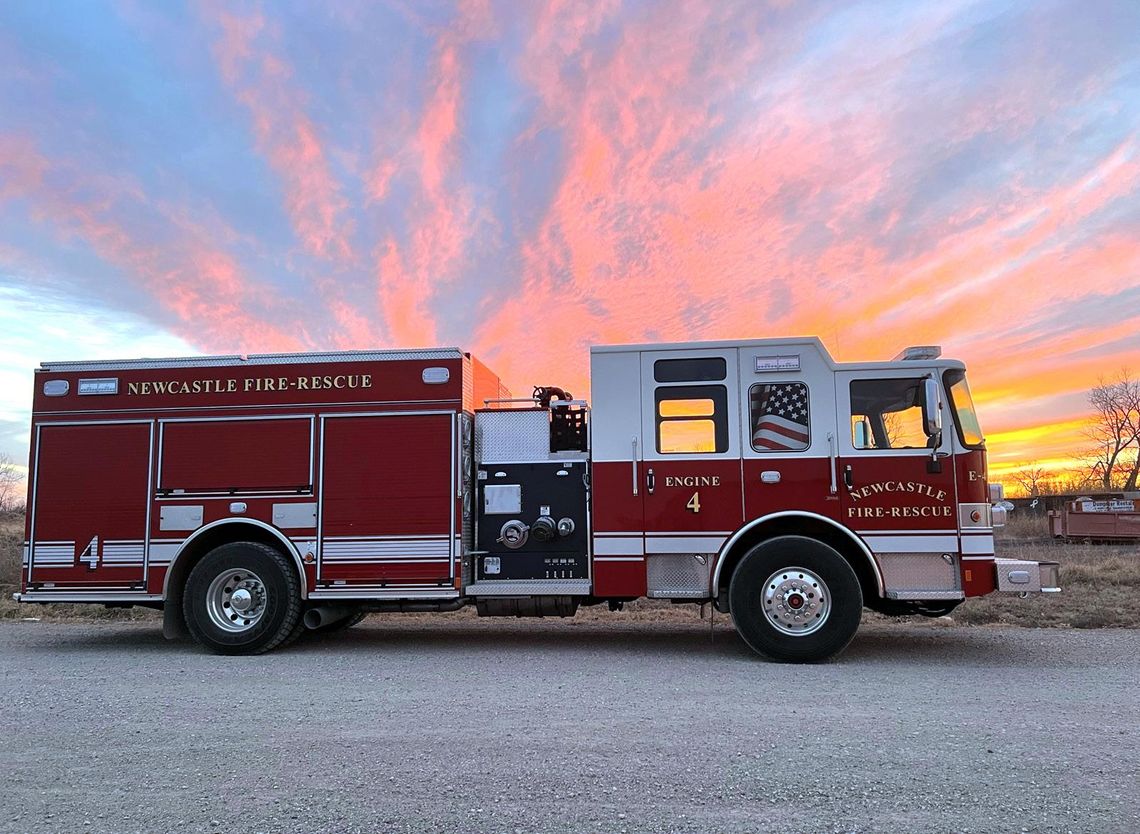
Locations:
(1100, 587)
(1100, 583)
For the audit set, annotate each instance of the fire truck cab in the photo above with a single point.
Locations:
(254, 497)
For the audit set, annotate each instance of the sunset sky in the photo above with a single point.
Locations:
(523, 180)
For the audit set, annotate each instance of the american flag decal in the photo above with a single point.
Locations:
(780, 416)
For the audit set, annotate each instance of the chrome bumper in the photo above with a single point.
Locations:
(1018, 576)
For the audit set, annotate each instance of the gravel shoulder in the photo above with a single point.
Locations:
(440, 724)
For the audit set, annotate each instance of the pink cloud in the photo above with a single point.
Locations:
(262, 82)
(212, 302)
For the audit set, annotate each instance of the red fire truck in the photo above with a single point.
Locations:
(252, 497)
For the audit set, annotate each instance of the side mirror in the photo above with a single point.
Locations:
(932, 408)
(862, 433)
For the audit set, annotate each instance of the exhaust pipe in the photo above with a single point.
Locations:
(326, 615)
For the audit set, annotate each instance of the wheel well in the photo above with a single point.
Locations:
(201, 544)
(810, 528)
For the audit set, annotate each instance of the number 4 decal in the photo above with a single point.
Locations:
(695, 502)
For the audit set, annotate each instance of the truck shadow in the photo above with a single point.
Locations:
(889, 643)
(885, 644)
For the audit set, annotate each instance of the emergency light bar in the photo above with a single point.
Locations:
(919, 352)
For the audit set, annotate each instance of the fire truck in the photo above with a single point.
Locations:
(252, 498)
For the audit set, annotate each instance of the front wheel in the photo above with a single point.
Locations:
(243, 598)
(795, 599)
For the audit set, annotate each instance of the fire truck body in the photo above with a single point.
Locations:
(250, 497)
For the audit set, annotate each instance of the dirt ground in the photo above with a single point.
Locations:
(546, 727)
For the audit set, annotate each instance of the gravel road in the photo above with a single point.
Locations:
(442, 724)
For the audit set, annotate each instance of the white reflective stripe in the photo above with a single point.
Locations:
(912, 544)
(948, 531)
(336, 550)
(619, 558)
(600, 534)
(987, 558)
(689, 533)
(385, 560)
(683, 544)
(62, 553)
(123, 553)
(619, 547)
(978, 544)
(386, 538)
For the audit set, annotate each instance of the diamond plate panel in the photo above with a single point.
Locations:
(528, 587)
(512, 436)
(1018, 576)
(466, 483)
(919, 572)
(675, 575)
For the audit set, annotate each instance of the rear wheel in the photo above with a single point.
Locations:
(242, 598)
(795, 599)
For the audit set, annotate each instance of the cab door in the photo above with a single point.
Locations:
(897, 485)
(788, 413)
(691, 467)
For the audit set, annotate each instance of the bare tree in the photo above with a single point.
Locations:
(1034, 479)
(10, 479)
(1115, 431)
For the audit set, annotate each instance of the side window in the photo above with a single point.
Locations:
(705, 369)
(779, 417)
(691, 419)
(887, 414)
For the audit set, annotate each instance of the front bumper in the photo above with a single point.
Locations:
(1019, 576)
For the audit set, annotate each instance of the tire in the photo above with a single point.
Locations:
(792, 577)
(243, 598)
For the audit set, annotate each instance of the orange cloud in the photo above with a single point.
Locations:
(441, 217)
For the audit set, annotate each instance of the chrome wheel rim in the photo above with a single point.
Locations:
(796, 601)
(236, 600)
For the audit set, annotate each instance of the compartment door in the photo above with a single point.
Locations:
(90, 505)
(388, 505)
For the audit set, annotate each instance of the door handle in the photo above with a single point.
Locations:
(635, 465)
(650, 481)
(848, 478)
(832, 461)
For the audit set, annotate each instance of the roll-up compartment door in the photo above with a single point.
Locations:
(90, 503)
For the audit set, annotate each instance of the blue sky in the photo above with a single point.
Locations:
(523, 180)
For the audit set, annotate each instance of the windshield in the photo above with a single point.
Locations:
(969, 432)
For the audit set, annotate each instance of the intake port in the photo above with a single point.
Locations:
(513, 534)
(543, 529)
